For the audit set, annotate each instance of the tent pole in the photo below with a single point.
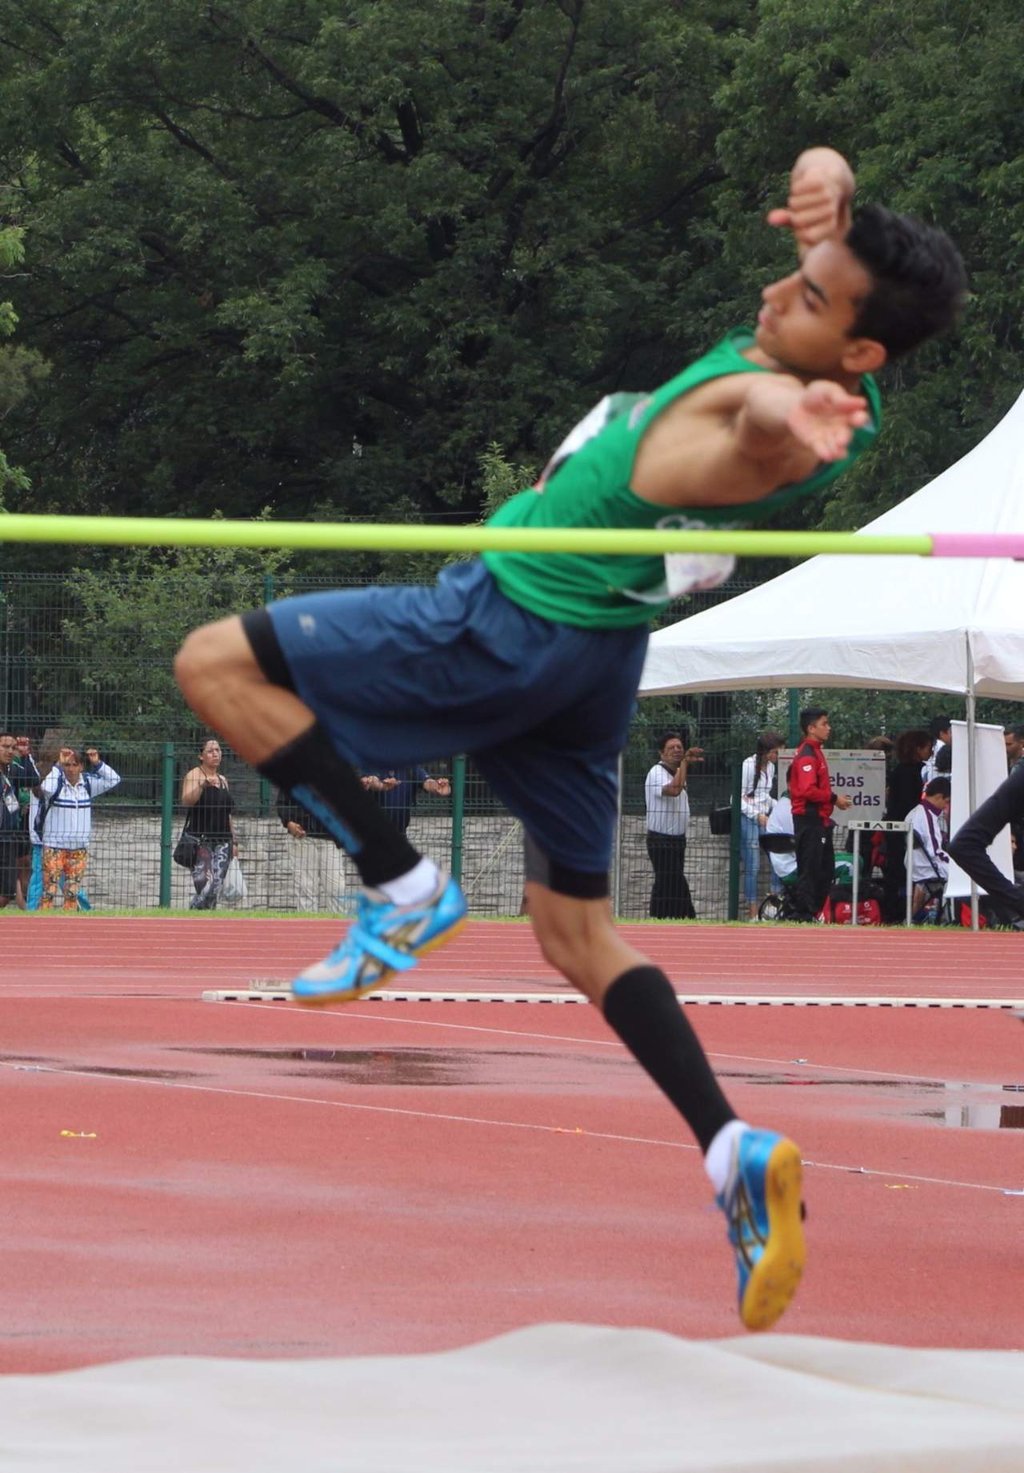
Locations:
(617, 854)
(972, 781)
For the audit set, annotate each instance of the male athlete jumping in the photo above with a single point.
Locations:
(531, 662)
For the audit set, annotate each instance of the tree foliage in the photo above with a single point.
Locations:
(315, 256)
(128, 621)
(346, 259)
(21, 369)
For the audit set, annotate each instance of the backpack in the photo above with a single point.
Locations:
(47, 800)
(838, 908)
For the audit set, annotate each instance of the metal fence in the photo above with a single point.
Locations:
(135, 827)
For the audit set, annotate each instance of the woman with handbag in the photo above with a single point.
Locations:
(206, 796)
(756, 782)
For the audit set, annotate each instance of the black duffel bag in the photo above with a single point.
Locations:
(186, 849)
(720, 820)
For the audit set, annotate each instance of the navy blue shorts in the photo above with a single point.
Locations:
(400, 675)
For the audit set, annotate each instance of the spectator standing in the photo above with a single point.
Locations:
(18, 777)
(906, 785)
(940, 730)
(10, 821)
(668, 818)
(810, 791)
(207, 796)
(757, 778)
(930, 863)
(64, 820)
(26, 777)
(317, 863)
(397, 789)
(1013, 736)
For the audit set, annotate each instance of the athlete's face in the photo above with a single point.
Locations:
(821, 729)
(806, 318)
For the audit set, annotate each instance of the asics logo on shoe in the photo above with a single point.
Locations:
(747, 1237)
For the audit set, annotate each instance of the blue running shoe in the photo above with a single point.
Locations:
(384, 939)
(764, 1212)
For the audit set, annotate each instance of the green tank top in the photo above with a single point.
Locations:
(587, 484)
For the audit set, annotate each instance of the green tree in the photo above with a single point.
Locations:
(21, 369)
(315, 256)
(925, 100)
(112, 677)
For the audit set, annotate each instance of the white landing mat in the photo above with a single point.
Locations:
(548, 1399)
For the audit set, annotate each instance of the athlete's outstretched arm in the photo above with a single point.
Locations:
(820, 201)
(766, 430)
(782, 415)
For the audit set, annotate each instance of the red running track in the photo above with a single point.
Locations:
(178, 957)
(251, 1179)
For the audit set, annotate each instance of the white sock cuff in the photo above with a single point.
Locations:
(719, 1154)
(415, 885)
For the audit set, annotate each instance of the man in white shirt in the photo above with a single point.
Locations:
(64, 820)
(668, 818)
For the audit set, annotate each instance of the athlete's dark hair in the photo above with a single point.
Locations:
(939, 787)
(938, 725)
(919, 279)
(810, 714)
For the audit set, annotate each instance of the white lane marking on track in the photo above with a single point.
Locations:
(427, 1115)
(854, 1069)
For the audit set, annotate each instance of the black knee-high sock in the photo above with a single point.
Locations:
(642, 1009)
(327, 786)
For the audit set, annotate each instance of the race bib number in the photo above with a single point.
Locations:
(602, 414)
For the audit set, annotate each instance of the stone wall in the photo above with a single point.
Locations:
(124, 865)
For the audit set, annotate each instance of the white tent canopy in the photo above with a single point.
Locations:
(905, 623)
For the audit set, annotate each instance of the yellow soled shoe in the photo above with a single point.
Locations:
(764, 1211)
(385, 938)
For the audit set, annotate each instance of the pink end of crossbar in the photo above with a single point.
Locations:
(978, 544)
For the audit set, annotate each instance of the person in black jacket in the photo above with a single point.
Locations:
(906, 785)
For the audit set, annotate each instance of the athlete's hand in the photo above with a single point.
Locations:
(825, 417)
(820, 198)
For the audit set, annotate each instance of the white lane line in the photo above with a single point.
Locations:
(428, 1115)
(725, 1000)
(353, 1014)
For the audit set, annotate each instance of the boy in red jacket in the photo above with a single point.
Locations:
(810, 791)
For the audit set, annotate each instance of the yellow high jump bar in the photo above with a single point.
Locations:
(402, 537)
